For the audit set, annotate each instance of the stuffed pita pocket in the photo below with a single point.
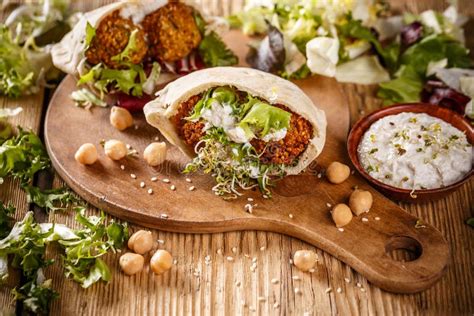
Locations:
(133, 47)
(243, 126)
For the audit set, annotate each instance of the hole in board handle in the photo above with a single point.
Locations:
(403, 248)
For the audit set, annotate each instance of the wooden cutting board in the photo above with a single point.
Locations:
(300, 205)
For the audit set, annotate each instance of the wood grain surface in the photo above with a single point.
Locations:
(218, 286)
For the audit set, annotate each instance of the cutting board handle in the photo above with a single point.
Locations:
(365, 244)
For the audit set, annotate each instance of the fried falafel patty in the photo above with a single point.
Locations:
(284, 151)
(111, 37)
(172, 32)
(190, 132)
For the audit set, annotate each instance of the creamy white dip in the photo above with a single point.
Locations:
(415, 151)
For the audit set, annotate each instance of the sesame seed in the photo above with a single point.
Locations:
(339, 290)
(129, 146)
(252, 309)
(166, 180)
(365, 219)
(162, 215)
(328, 205)
(250, 199)
(328, 290)
(150, 191)
(248, 208)
(134, 176)
(156, 138)
(320, 175)
(246, 255)
(122, 167)
(340, 229)
(358, 284)
(265, 196)
(175, 262)
(142, 184)
(237, 283)
(173, 187)
(290, 261)
(192, 188)
(261, 299)
(262, 248)
(188, 180)
(229, 258)
(362, 290)
(312, 270)
(154, 179)
(275, 281)
(276, 305)
(234, 249)
(219, 251)
(290, 215)
(136, 127)
(297, 290)
(160, 241)
(243, 303)
(377, 218)
(347, 280)
(254, 259)
(296, 278)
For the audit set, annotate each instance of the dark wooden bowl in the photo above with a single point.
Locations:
(364, 123)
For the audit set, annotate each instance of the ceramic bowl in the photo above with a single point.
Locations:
(361, 126)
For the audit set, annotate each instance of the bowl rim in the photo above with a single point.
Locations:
(416, 107)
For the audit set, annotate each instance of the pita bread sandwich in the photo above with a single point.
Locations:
(243, 126)
(130, 48)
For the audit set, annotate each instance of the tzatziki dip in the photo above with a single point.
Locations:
(415, 151)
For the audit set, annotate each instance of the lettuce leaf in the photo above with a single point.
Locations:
(124, 55)
(353, 29)
(215, 53)
(409, 79)
(403, 89)
(263, 118)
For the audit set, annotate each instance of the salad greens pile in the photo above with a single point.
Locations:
(25, 62)
(26, 245)
(354, 41)
(225, 150)
(22, 157)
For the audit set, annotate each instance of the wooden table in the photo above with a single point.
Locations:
(217, 286)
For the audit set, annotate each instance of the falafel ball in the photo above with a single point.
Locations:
(111, 37)
(172, 32)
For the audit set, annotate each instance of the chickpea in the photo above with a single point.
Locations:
(161, 261)
(305, 260)
(115, 149)
(155, 154)
(86, 154)
(341, 215)
(131, 263)
(337, 172)
(360, 202)
(141, 242)
(120, 118)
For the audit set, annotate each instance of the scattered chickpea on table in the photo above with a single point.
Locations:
(337, 172)
(120, 118)
(360, 201)
(115, 149)
(86, 154)
(155, 153)
(305, 260)
(141, 242)
(341, 215)
(131, 263)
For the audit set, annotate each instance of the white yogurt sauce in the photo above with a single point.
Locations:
(415, 151)
(137, 11)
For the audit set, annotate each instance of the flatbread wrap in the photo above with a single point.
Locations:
(243, 126)
(134, 47)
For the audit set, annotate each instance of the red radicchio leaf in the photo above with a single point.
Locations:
(132, 103)
(436, 92)
(411, 33)
(270, 55)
